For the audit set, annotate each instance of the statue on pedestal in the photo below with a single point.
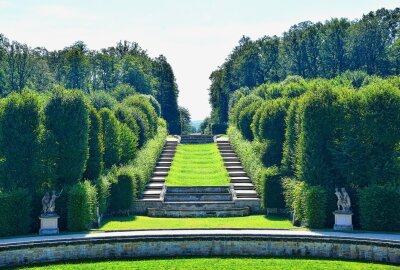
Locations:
(343, 200)
(343, 216)
(49, 202)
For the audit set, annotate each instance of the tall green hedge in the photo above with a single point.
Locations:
(15, 212)
(95, 164)
(67, 119)
(143, 104)
(110, 126)
(19, 141)
(272, 194)
(129, 144)
(123, 191)
(81, 205)
(379, 208)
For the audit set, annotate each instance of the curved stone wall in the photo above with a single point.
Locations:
(238, 244)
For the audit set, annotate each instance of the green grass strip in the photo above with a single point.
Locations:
(144, 222)
(221, 264)
(197, 165)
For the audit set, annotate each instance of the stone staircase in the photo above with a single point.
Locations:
(238, 199)
(197, 139)
(198, 202)
(241, 184)
(155, 188)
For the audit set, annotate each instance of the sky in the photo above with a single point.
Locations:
(196, 36)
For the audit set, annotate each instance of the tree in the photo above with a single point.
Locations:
(185, 122)
(76, 66)
(94, 166)
(70, 134)
(112, 148)
(19, 141)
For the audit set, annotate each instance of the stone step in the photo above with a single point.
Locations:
(246, 194)
(155, 185)
(198, 189)
(230, 159)
(232, 163)
(167, 155)
(168, 151)
(165, 159)
(228, 151)
(194, 197)
(164, 163)
(225, 155)
(232, 212)
(240, 179)
(156, 173)
(161, 169)
(199, 205)
(243, 186)
(237, 173)
(234, 168)
(152, 192)
(157, 179)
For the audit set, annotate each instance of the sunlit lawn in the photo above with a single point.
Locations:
(144, 222)
(197, 165)
(221, 264)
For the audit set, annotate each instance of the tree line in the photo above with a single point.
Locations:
(300, 139)
(91, 71)
(310, 50)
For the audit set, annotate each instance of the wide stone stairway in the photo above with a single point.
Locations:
(238, 199)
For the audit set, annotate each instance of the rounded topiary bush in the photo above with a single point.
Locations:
(379, 208)
(102, 99)
(246, 118)
(129, 143)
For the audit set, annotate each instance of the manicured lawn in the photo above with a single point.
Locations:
(222, 263)
(197, 165)
(144, 222)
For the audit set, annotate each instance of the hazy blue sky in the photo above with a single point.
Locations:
(195, 36)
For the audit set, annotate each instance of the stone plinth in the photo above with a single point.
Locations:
(49, 224)
(343, 220)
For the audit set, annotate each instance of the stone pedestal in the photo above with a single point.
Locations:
(49, 224)
(343, 221)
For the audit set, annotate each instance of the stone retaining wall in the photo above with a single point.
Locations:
(199, 245)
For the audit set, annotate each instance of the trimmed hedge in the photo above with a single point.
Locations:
(112, 149)
(219, 128)
(379, 208)
(15, 212)
(129, 144)
(273, 191)
(245, 119)
(67, 120)
(94, 164)
(315, 200)
(123, 192)
(81, 205)
(146, 158)
(248, 156)
(103, 193)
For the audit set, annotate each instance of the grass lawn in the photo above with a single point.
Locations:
(197, 165)
(221, 263)
(144, 222)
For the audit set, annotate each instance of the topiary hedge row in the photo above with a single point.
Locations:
(324, 134)
(59, 139)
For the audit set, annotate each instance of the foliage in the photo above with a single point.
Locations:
(19, 141)
(147, 156)
(220, 128)
(94, 165)
(379, 208)
(272, 194)
(245, 118)
(123, 91)
(15, 212)
(123, 191)
(153, 101)
(102, 99)
(112, 149)
(185, 121)
(70, 134)
(103, 192)
(315, 200)
(129, 143)
(81, 205)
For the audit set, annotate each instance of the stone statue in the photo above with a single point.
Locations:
(343, 199)
(49, 202)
